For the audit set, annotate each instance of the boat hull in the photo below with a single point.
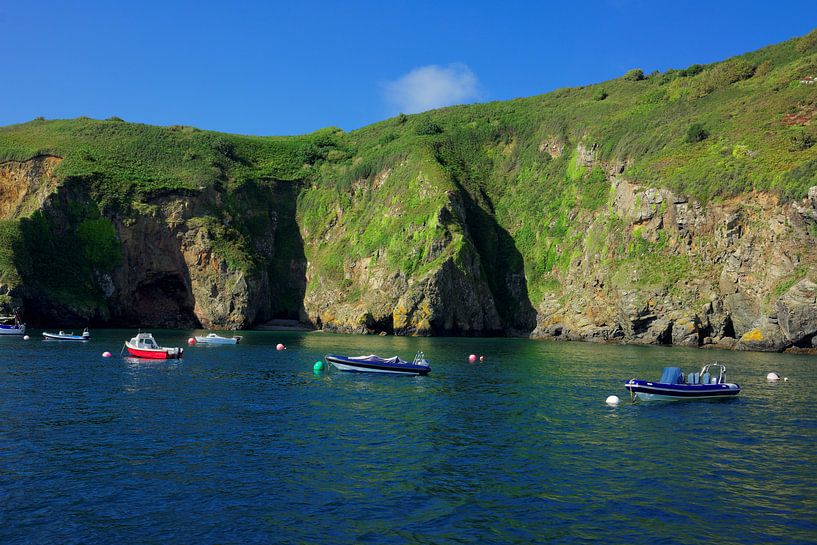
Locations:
(56, 337)
(346, 364)
(160, 354)
(12, 330)
(218, 340)
(648, 391)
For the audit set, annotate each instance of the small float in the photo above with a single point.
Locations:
(709, 383)
(213, 338)
(144, 346)
(376, 364)
(12, 325)
(63, 336)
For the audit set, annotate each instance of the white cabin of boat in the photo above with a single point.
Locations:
(144, 341)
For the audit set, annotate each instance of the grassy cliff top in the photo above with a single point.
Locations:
(706, 131)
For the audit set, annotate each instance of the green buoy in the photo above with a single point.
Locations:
(318, 366)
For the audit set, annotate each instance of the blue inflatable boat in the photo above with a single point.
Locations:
(376, 364)
(709, 383)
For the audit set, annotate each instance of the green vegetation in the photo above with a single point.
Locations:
(62, 263)
(696, 133)
(784, 285)
(636, 74)
(802, 140)
(10, 237)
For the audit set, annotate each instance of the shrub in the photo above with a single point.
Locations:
(636, 74)
(807, 42)
(729, 72)
(601, 94)
(696, 133)
(427, 127)
(692, 70)
(722, 75)
(801, 141)
(763, 68)
(402, 118)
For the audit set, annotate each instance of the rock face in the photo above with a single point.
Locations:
(651, 267)
(171, 270)
(453, 296)
(24, 185)
(797, 313)
(742, 286)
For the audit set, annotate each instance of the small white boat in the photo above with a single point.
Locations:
(63, 336)
(11, 325)
(212, 338)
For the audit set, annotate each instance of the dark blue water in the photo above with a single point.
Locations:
(244, 444)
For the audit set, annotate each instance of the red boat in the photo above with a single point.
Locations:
(144, 346)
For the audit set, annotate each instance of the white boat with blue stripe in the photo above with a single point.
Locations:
(212, 338)
(376, 364)
(709, 383)
(12, 325)
(63, 336)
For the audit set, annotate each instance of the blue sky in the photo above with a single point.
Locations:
(294, 67)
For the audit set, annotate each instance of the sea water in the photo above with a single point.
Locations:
(246, 444)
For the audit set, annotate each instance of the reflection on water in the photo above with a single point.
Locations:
(247, 444)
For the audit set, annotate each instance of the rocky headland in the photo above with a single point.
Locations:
(676, 208)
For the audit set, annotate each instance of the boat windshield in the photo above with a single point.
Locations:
(146, 343)
(716, 370)
(420, 359)
(672, 375)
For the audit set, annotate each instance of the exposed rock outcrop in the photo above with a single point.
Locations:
(797, 313)
(24, 185)
(737, 255)
(648, 267)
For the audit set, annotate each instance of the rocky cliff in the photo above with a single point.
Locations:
(676, 208)
(731, 274)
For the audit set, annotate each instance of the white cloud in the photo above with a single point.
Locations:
(433, 86)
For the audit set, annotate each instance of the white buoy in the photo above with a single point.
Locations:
(26, 337)
(772, 377)
(612, 400)
(786, 379)
(106, 354)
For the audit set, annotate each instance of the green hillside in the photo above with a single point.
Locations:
(707, 132)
